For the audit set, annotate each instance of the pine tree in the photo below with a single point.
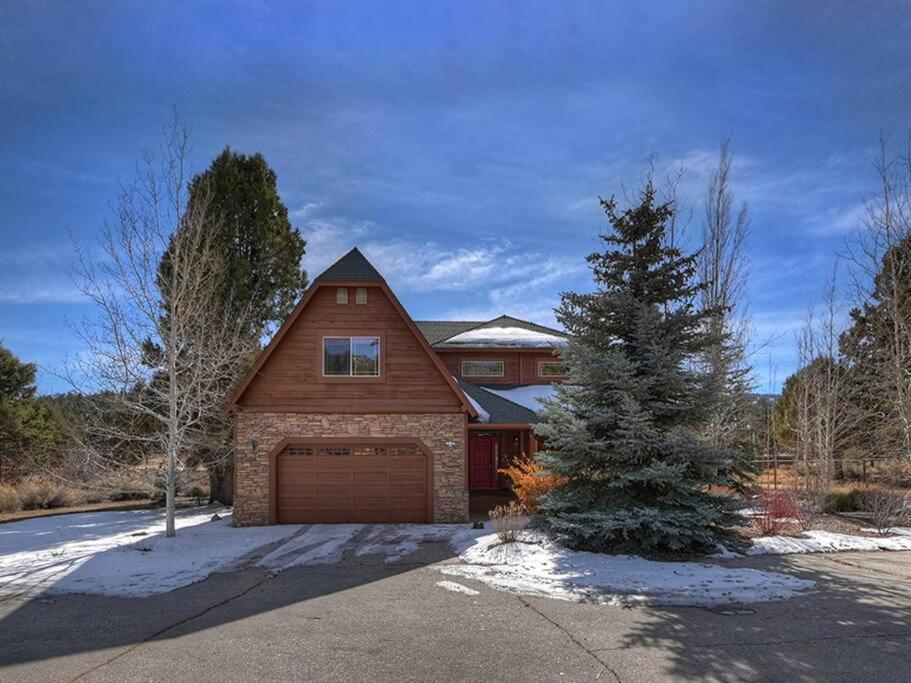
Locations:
(622, 430)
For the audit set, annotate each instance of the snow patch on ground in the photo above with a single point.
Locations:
(317, 544)
(506, 336)
(529, 396)
(538, 567)
(457, 587)
(822, 542)
(123, 553)
(397, 541)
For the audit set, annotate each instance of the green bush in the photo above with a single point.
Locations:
(843, 501)
(9, 498)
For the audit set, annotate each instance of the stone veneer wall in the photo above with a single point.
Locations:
(251, 467)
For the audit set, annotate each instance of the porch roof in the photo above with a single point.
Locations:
(501, 410)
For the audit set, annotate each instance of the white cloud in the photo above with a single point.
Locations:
(502, 277)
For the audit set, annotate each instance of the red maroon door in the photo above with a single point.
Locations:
(482, 462)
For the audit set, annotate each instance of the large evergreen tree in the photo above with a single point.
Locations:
(622, 430)
(261, 249)
(30, 429)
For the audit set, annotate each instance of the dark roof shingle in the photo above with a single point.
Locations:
(351, 266)
(501, 410)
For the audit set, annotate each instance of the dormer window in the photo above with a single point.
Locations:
(351, 356)
(341, 295)
(360, 295)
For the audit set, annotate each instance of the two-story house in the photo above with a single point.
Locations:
(354, 412)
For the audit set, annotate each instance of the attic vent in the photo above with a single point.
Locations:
(360, 295)
(341, 295)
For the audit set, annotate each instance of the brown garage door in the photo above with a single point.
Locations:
(370, 483)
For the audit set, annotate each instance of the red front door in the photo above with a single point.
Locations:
(482, 462)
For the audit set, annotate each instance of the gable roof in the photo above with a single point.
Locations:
(438, 332)
(352, 267)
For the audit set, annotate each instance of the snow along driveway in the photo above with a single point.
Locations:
(123, 553)
(126, 554)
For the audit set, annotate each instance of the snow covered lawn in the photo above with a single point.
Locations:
(537, 567)
(123, 553)
(825, 542)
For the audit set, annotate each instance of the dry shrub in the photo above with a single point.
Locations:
(42, 495)
(9, 498)
(529, 482)
(776, 511)
(508, 520)
(886, 508)
(806, 504)
(129, 484)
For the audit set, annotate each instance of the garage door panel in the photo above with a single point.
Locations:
(330, 486)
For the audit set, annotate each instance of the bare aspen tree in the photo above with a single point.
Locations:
(723, 270)
(881, 260)
(159, 354)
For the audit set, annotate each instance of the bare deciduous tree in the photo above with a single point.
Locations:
(159, 354)
(723, 270)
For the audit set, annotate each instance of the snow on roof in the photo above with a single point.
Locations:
(528, 396)
(483, 415)
(506, 336)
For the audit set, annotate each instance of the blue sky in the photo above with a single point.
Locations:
(462, 145)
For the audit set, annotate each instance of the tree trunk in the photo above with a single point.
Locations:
(221, 482)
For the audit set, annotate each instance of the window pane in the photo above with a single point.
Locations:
(337, 357)
(482, 368)
(341, 295)
(366, 352)
(552, 369)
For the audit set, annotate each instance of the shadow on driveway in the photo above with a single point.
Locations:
(856, 625)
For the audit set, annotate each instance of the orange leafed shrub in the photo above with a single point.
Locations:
(528, 482)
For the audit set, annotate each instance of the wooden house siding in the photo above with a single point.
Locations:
(519, 367)
(291, 378)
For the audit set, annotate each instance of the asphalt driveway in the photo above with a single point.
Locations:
(364, 619)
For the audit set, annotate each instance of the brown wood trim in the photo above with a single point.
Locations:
(499, 425)
(294, 408)
(348, 441)
(494, 349)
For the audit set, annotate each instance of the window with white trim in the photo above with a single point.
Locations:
(341, 295)
(351, 356)
(360, 295)
(552, 368)
(482, 368)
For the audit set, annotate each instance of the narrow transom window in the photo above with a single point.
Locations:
(552, 368)
(482, 368)
(351, 356)
(341, 295)
(360, 295)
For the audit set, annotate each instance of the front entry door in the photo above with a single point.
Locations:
(482, 462)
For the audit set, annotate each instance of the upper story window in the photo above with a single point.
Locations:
(351, 356)
(482, 368)
(552, 368)
(360, 295)
(341, 295)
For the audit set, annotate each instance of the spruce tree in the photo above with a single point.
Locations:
(622, 432)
